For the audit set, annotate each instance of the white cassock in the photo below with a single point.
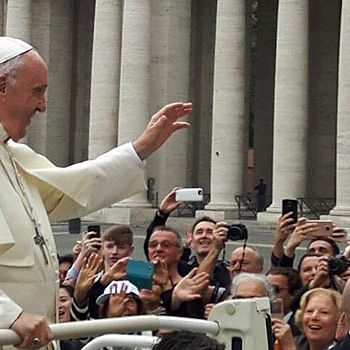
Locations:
(26, 281)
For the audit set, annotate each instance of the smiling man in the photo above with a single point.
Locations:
(33, 191)
(207, 241)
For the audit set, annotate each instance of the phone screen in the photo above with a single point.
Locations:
(277, 308)
(96, 229)
(290, 205)
(140, 273)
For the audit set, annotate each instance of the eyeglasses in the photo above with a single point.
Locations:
(278, 289)
(163, 244)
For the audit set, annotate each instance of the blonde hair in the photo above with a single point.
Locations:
(332, 294)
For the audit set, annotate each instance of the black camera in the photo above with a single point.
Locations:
(338, 264)
(237, 232)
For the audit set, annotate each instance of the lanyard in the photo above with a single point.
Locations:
(18, 186)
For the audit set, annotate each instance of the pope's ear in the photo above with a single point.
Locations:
(2, 84)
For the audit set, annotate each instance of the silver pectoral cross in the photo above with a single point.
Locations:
(40, 241)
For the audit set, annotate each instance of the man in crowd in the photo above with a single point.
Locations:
(117, 243)
(251, 285)
(206, 236)
(286, 283)
(182, 296)
(34, 190)
(245, 259)
(296, 233)
(116, 248)
(344, 343)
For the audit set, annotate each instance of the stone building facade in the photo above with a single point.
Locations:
(265, 76)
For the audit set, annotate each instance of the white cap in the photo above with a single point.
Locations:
(11, 48)
(116, 287)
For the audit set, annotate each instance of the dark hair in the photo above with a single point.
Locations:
(169, 229)
(184, 340)
(104, 308)
(307, 255)
(330, 241)
(203, 218)
(69, 289)
(69, 258)
(293, 278)
(119, 234)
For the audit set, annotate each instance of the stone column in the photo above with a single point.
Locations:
(170, 66)
(341, 212)
(37, 133)
(2, 17)
(84, 11)
(104, 103)
(229, 120)
(264, 96)
(59, 98)
(291, 105)
(323, 82)
(18, 23)
(19, 19)
(134, 78)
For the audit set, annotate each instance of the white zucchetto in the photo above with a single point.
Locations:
(11, 48)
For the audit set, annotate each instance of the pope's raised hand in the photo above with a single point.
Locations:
(161, 126)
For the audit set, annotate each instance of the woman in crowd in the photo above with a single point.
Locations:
(64, 305)
(120, 298)
(317, 318)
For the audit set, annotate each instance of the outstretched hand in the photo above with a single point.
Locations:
(189, 288)
(161, 126)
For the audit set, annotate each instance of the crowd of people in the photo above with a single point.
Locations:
(190, 276)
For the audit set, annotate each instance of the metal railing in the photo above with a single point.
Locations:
(244, 319)
(188, 209)
(315, 207)
(121, 340)
(246, 206)
(123, 325)
(310, 207)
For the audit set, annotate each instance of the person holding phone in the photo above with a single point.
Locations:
(306, 230)
(206, 239)
(181, 296)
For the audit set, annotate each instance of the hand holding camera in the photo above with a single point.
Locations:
(338, 265)
(237, 232)
(322, 276)
(220, 235)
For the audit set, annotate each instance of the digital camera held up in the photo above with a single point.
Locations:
(237, 232)
(338, 264)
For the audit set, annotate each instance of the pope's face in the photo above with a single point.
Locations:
(20, 101)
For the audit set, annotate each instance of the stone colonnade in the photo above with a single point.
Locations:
(109, 70)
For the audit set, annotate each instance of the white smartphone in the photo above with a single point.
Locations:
(189, 195)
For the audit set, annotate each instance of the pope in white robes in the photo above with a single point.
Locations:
(33, 191)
